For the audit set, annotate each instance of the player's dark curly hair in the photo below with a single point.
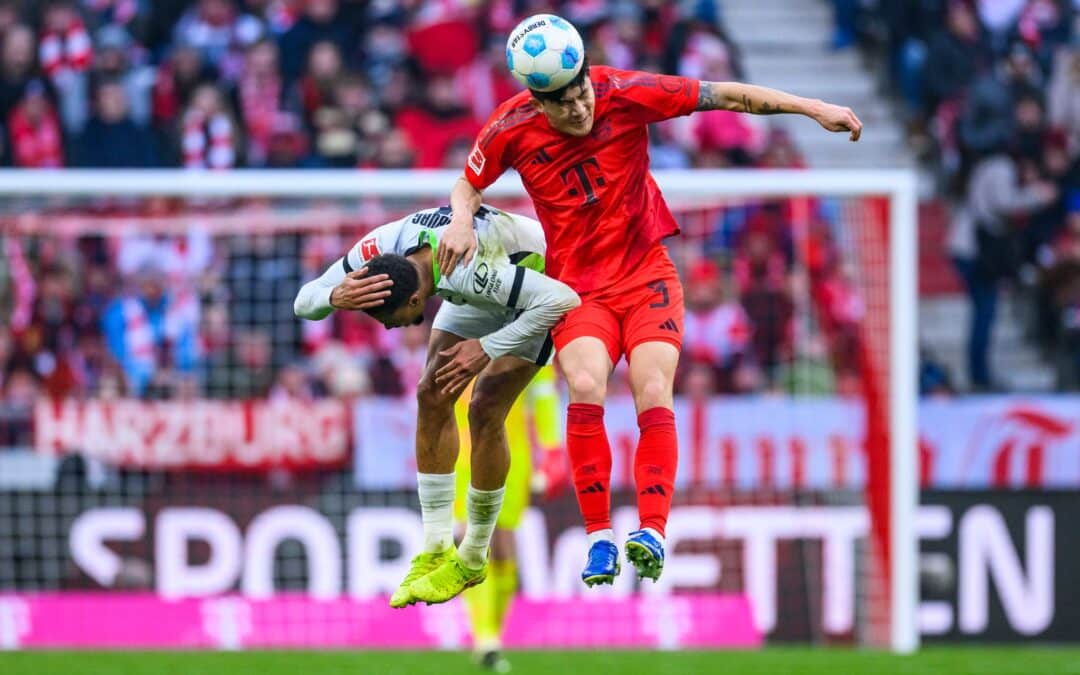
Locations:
(557, 94)
(404, 276)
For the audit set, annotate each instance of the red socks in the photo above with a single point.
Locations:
(590, 458)
(655, 462)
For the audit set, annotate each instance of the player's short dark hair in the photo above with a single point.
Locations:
(557, 94)
(402, 273)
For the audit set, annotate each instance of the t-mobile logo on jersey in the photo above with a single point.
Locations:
(583, 177)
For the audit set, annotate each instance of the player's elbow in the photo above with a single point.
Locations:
(569, 300)
(302, 305)
(299, 308)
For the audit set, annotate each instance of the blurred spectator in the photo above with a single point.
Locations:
(318, 24)
(288, 144)
(248, 370)
(17, 64)
(259, 93)
(316, 88)
(956, 53)
(210, 136)
(220, 33)
(395, 151)
(347, 134)
(112, 138)
(437, 123)
(177, 79)
(1063, 103)
(65, 54)
(261, 277)
(20, 393)
(115, 61)
(766, 299)
(845, 13)
(291, 384)
(36, 138)
(808, 370)
(151, 331)
(717, 330)
(985, 248)
(987, 121)
(10, 15)
(487, 80)
(442, 36)
(123, 14)
(1059, 286)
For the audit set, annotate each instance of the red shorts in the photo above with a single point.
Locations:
(646, 306)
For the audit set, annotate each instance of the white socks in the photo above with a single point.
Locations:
(601, 535)
(609, 535)
(659, 537)
(436, 510)
(483, 510)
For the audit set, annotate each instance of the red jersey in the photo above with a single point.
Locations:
(600, 208)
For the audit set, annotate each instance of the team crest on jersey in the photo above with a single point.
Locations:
(477, 160)
(369, 248)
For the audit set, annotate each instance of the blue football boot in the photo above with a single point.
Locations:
(646, 553)
(603, 564)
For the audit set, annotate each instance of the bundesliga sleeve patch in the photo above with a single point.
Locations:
(477, 160)
(369, 248)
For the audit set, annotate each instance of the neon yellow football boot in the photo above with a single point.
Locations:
(447, 580)
(421, 565)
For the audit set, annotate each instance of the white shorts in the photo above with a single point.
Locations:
(472, 323)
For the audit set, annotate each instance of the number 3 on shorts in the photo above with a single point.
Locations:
(660, 287)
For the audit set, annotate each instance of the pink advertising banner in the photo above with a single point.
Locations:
(147, 621)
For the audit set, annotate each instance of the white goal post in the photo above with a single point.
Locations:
(899, 186)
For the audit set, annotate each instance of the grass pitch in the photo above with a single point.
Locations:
(771, 661)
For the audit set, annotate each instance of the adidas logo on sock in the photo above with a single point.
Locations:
(669, 325)
(592, 489)
(654, 490)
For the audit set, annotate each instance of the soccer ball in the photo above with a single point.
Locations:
(544, 52)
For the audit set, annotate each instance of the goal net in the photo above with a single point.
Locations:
(183, 463)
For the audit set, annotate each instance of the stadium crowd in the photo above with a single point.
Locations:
(318, 83)
(992, 93)
(214, 84)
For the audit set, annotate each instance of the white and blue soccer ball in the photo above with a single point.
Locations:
(544, 52)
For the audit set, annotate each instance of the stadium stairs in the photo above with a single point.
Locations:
(786, 44)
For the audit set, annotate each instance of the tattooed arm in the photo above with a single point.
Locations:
(749, 98)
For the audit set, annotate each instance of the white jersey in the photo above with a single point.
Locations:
(504, 278)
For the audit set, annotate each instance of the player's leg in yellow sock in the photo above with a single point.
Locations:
(480, 601)
(504, 578)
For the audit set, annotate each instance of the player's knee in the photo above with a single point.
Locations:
(430, 397)
(653, 392)
(487, 410)
(586, 387)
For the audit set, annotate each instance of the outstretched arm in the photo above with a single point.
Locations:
(458, 243)
(750, 98)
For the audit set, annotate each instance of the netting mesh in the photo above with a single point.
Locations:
(169, 428)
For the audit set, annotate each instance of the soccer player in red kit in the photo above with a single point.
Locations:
(582, 153)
